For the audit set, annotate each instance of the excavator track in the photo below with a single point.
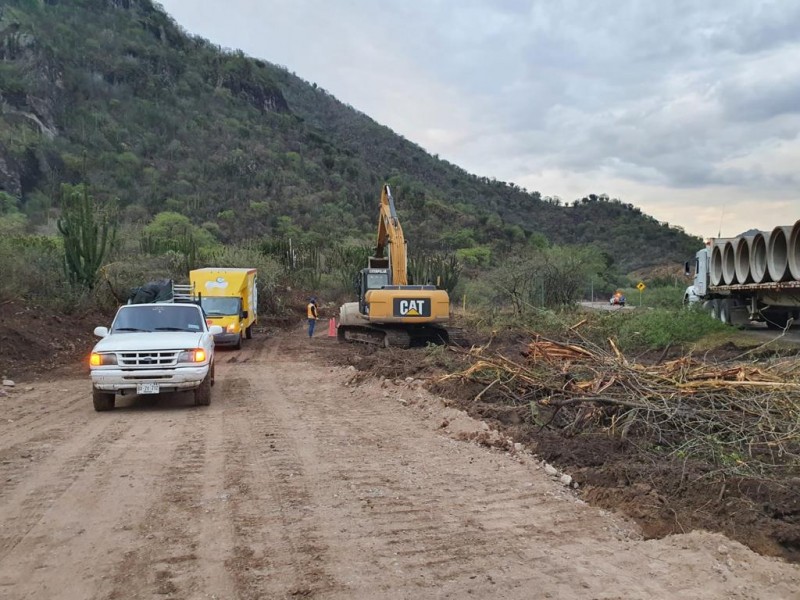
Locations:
(394, 337)
(457, 336)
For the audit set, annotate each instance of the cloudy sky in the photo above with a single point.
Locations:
(690, 110)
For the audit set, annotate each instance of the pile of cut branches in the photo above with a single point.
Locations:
(740, 416)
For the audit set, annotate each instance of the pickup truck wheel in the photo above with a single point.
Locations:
(248, 333)
(202, 393)
(102, 400)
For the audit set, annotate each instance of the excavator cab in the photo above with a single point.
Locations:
(370, 279)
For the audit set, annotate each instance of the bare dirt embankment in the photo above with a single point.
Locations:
(304, 479)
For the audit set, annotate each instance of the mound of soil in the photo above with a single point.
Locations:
(34, 340)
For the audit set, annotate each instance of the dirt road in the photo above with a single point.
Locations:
(295, 484)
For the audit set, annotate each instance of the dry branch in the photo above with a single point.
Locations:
(741, 416)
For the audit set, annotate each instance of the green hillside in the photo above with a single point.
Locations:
(113, 92)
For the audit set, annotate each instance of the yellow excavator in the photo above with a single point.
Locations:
(389, 312)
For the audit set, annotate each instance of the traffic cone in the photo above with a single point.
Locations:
(332, 327)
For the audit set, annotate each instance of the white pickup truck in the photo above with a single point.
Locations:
(153, 348)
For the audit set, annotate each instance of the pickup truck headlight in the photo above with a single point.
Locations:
(196, 355)
(98, 360)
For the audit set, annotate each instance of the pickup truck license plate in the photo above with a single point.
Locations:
(146, 388)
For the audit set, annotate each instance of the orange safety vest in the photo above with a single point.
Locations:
(312, 310)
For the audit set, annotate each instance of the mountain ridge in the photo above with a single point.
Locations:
(116, 93)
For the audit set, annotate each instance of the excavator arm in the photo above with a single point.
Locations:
(390, 241)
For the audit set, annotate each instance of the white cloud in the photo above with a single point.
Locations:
(681, 108)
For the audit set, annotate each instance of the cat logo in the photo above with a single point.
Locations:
(412, 307)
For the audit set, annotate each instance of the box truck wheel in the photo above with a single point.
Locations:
(248, 333)
(238, 344)
(102, 400)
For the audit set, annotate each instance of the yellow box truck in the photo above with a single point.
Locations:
(229, 299)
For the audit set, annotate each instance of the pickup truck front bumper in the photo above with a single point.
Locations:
(125, 381)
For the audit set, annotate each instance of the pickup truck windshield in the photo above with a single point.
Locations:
(157, 318)
(218, 306)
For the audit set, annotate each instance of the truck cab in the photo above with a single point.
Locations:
(699, 287)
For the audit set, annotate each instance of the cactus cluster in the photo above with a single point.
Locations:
(440, 270)
(305, 261)
(88, 234)
(185, 246)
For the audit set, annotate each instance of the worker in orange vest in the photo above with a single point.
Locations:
(312, 314)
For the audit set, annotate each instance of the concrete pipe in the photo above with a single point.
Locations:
(729, 263)
(778, 253)
(715, 266)
(758, 257)
(741, 251)
(794, 252)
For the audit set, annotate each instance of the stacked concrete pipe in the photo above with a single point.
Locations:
(794, 251)
(729, 262)
(715, 266)
(741, 251)
(758, 257)
(778, 253)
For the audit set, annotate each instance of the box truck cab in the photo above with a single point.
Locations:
(228, 298)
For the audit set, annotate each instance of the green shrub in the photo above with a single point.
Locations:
(669, 296)
(658, 327)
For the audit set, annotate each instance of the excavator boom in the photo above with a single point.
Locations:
(390, 241)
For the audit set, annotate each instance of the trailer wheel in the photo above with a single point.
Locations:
(778, 319)
(714, 309)
(725, 309)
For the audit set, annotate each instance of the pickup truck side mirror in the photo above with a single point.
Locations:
(101, 331)
(215, 330)
(244, 314)
(686, 269)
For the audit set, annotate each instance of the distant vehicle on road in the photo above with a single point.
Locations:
(617, 299)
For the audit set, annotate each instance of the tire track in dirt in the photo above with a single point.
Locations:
(407, 528)
(27, 504)
(31, 430)
(278, 550)
(165, 561)
(94, 526)
(44, 408)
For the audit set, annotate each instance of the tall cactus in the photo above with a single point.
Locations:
(87, 235)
